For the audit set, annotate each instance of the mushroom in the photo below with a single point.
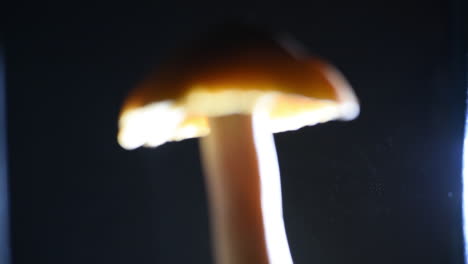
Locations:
(234, 88)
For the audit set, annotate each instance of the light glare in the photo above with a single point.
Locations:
(271, 197)
(465, 190)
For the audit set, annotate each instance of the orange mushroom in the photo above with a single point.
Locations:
(235, 88)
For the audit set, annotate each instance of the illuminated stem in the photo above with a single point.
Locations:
(244, 192)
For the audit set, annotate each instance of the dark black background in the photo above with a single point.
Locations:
(385, 188)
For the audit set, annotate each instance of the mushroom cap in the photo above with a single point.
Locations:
(236, 70)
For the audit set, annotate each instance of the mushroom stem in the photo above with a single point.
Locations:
(244, 191)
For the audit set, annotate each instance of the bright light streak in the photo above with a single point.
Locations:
(465, 193)
(271, 201)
